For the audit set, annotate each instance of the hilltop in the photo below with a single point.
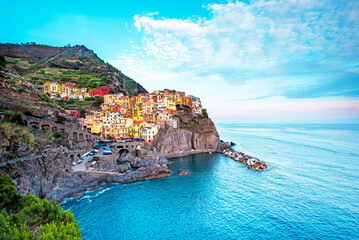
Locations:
(77, 64)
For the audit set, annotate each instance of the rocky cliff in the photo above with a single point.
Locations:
(193, 135)
(52, 176)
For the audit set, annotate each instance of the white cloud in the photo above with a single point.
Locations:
(243, 51)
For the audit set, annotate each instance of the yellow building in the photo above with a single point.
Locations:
(171, 104)
(96, 127)
(52, 87)
(179, 100)
(138, 118)
(137, 110)
(155, 93)
(124, 102)
(137, 128)
(47, 87)
(138, 100)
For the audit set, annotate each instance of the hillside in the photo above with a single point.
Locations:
(78, 64)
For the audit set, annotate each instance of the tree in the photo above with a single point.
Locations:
(204, 113)
(83, 112)
(9, 197)
(22, 213)
(98, 101)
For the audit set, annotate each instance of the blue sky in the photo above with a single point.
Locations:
(249, 61)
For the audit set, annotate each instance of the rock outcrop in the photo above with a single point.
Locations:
(182, 172)
(144, 158)
(52, 177)
(250, 162)
(192, 135)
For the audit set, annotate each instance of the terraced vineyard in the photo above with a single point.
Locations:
(78, 64)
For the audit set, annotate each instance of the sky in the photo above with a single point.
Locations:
(274, 61)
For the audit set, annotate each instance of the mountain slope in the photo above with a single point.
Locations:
(77, 64)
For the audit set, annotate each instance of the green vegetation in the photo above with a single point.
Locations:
(11, 134)
(204, 113)
(56, 134)
(98, 101)
(15, 117)
(29, 217)
(77, 104)
(82, 112)
(85, 71)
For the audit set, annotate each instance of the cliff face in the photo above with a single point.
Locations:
(43, 177)
(192, 136)
(52, 176)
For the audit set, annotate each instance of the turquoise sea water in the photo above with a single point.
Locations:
(311, 191)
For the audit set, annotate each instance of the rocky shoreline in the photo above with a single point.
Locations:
(52, 176)
(250, 162)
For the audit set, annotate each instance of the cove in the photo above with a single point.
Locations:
(306, 193)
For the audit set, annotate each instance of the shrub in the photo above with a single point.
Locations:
(15, 117)
(20, 214)
(98, 101)
(13, 133)
(28, 113)
(56, 135)
(204, 113)
(82, 112)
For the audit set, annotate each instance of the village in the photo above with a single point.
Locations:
(123, 118)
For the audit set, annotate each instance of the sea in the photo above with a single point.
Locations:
(310, 191)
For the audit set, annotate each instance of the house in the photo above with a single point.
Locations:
(118, 108)
(163, 117)
(76, 114)
(150, 118)
(100, 91)
(137, 128)
(52, 87)
(112, 99)
(124, 101)
(121, 130)
(147, 108)
(149, 132)
(196, 111)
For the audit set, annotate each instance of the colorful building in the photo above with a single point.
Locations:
(137, 128)
(100, 91)
(149, 132)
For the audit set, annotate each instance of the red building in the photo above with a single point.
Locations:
(69, 85)
(116, 108)
(167, 91)
(100, 91)
(76, 114)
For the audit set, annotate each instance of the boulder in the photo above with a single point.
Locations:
(182, 172)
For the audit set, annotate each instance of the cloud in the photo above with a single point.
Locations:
(289, 48)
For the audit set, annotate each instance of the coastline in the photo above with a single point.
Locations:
(109, 178)
(78, 192)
